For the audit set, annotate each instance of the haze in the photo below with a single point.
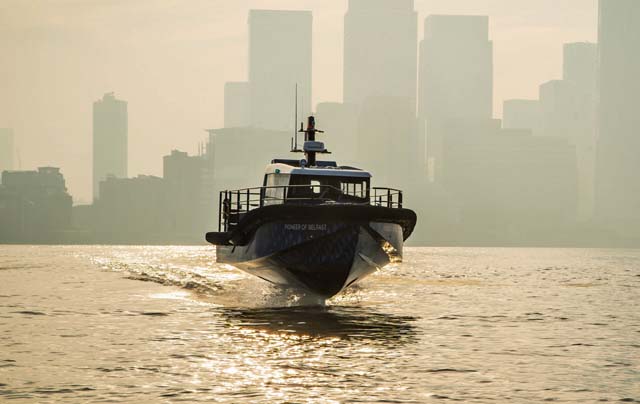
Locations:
(170, 60)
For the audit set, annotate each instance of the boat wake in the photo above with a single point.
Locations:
(194, 270)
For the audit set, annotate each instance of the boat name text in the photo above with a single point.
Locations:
(305, 227)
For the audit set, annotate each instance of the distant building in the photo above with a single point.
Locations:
(280, 52)
(580, 76)
(240, 155)
(110, 140)
(567, 106)
(521, 114)
(511, 185)
(340, 123)
(6, 149)
(618, 161)
(237, 104)
(83, 221)
(567, 109)
(580, 64)
(387, 141)
(456, 68)
(131, 209)
(555, 104)
(184, 181)
(34, 206)
(177, 208)
(237, 157)
(456, 80)
(580, 87)
(380, 42)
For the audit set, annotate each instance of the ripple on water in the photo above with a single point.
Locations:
(30, 313)
(466, 325)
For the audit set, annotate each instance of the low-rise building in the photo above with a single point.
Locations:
(34, 206)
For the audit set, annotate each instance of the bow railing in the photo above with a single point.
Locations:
(234, 204)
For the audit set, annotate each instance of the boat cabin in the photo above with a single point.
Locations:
(288, 182)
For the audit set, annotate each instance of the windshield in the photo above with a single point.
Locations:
(339, 189)
(275, 195)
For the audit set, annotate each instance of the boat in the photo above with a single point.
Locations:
(312, 225)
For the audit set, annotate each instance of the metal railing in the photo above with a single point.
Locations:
(388, 197)
(233, 205)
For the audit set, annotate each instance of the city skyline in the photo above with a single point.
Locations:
(159, 120)
(419, 118)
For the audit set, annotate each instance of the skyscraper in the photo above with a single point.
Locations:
(580, 64)
(110, 136)
(279, 58)
(237, 110)
(579, 126)
(380, 41)
(618, 155)
(456, 68)
(6, 149)
(386, 140)
(580, 78)
(456, 81)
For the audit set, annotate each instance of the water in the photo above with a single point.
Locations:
(166, 324)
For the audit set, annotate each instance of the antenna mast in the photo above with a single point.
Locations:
(311, 146)
(294, 146)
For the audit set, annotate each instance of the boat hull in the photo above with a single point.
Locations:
(320, 249)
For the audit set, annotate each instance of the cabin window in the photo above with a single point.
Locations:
(276, 184)
(353, 187)
(316, 187)
(340, 189)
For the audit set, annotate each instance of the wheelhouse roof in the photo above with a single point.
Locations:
(279, 168)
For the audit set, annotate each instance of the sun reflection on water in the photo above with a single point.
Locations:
(486, 326)
(277, 351)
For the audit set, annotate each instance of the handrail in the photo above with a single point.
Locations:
(387, 188)
(290, 186)
(234, 203)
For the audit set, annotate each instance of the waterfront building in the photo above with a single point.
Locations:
(34, 206)
(131, 209)
(184, 182)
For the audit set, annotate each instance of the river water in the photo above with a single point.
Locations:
(167, 324)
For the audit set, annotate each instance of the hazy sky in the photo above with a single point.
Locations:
(170, 59)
